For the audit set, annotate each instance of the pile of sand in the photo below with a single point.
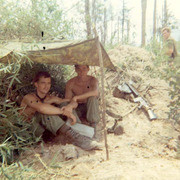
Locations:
(146, 150)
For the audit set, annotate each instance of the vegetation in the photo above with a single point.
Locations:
(173, 77)
(171, 74)
(15, 82)
(15, 135)
(29, 20)
(34, 17)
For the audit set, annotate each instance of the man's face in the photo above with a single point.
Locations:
(82, 70)
(165, 34)
(43, 85)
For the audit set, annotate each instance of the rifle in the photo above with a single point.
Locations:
(143, 103)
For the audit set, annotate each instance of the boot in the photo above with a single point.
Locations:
(94, 125)
(79, 140)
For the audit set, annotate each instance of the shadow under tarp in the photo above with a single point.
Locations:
(89, 52)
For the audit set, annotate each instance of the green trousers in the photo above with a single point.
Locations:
(89, 110)
(53, 123)
(41, 122)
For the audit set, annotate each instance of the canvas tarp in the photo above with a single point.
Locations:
(61, 52)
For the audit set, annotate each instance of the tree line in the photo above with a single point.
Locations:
(30, 19)
(166, 19)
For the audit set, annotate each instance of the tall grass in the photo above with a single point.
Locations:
(15, 135)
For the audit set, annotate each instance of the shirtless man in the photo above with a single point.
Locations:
(38, 109)
(83, 89)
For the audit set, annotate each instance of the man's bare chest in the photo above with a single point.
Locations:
(80, 88)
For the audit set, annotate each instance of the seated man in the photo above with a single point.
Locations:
(83, 89)
(38, 107)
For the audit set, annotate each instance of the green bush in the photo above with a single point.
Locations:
(15, 82)
(171, 73)
(29, 20)
(173, 77)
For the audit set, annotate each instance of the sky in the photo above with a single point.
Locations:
(135, 15)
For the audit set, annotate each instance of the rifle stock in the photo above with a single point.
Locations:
(142, 102)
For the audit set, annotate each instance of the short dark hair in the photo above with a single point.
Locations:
(41, 74)
(76, 65)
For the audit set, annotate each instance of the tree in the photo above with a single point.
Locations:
(118, 28)
(99, 18)
(105, 24)
(128, 30)
(18, 21)
(94, 16)
(165, 14)
(123, 20)
(168, 18)
(154, 20)
(88, 19)
(143, 35)
(111, 25)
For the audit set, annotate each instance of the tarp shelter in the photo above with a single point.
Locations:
(89, 52)
(58, 52)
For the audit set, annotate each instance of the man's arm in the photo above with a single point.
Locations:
(44, 108)
(55, 100)
(169, 51)
(69, 92)
(72, 105)
(31, 102)
(85, 95)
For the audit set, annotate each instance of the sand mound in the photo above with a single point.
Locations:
(146, 149)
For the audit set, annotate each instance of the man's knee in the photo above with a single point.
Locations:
(92, 102)
(92, 98)
(93, 110)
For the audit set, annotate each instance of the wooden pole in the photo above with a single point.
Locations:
(102, 95)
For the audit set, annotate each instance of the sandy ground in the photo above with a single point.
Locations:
(145, 151)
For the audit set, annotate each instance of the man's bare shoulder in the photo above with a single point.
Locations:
(29, 97)
(92, 78)
(71, 81)
(52, 99)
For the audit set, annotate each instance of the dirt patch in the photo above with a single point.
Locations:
(145, 150)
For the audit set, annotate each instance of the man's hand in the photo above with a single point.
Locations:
(67, 108)
(67, 111)
(75, 98)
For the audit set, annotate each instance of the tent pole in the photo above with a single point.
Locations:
(102, 95)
